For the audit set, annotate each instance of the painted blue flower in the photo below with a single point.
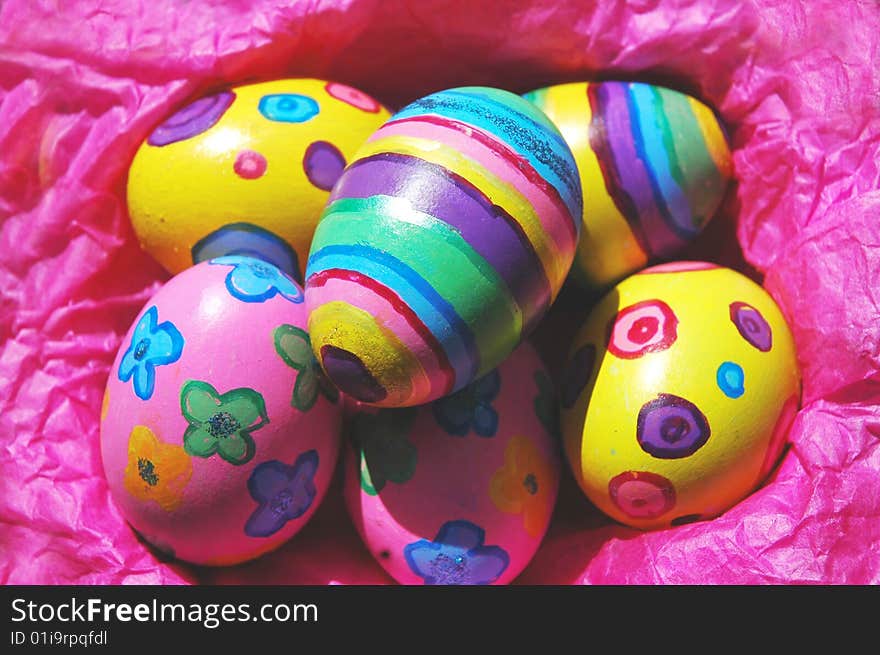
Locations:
(457, 556)
(152, 344)
(255, 280)
(470, 407)
(283, 493)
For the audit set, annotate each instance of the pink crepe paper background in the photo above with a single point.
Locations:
(796, 82)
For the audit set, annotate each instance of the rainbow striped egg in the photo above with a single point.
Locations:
(442, 245)
(655, 164)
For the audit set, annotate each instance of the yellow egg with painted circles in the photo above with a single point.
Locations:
(678, 395)
(246, 170)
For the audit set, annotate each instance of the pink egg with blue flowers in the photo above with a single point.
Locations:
(459, 491)
(219, 432)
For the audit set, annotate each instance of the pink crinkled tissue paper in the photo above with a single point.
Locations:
(795, 81)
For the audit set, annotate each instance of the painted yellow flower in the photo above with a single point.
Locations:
(524, 485)
(156, 471)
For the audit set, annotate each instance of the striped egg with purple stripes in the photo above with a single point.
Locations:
(656, 163)
(443, 243)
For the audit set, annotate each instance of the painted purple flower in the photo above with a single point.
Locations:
(670, 427)
(470, 408)
(283, 492)
(456, 556)
(752, 326)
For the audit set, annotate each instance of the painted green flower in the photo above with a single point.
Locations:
(545, 404)
(221, 423)
(295, 348)
(386, 454)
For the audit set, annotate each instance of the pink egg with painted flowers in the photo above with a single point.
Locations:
(219, 433)
(459, 491)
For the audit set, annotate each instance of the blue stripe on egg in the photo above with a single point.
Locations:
(539, 144)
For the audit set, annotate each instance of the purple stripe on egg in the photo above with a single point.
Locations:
(627, 179)
(495, 235)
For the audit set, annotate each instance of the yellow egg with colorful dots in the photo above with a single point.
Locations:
(246, 171)
(678, 394)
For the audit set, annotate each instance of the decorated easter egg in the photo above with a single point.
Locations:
(678, 394)
(443, 243)
(246, 170)
(219, 432)
(654, 164)
(459, 491)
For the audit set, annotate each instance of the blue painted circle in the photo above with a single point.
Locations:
(731, 379)
(288, 107)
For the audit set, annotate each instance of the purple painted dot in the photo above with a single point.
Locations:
(577, 374)
(670, 427)
(192, 120)
(752, 326)
(348, 372)
(323, 164)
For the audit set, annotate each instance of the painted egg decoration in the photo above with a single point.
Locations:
(459, 491)
(654, 164)
(220, 433)
(678, 395)
(246, 170)
(443, 243)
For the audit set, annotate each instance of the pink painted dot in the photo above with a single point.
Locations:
(250, 165)
(642, 495)
(353, 97)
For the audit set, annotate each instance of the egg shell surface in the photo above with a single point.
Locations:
(443, 243)
(460, 491)
(654, 165)
(678, 394)
(219, 433)
(246, 170)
